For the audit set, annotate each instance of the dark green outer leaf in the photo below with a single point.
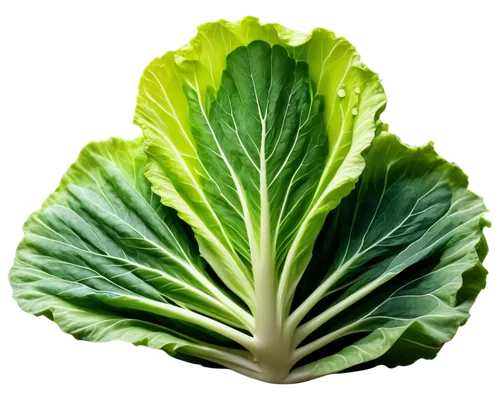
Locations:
(407, 248)
(106, 260)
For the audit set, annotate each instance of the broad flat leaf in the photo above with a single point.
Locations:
(255, 132)
(406, 249)
(106, 260)
(264, 223)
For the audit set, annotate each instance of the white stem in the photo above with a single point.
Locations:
(241, 314)
(224, 357)
(305, 330)
(296, 317)
(265, 279)
(182, 314)
(272, 351)
(309, 348)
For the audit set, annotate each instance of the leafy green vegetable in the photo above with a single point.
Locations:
(397, 267)
(269, 227)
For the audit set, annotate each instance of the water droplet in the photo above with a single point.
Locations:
(356, 90)
(341, 93)
(354, 111)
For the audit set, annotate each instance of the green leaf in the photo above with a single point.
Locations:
(406, 249)
(106, 260)
(267, 227)
(255, 133)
